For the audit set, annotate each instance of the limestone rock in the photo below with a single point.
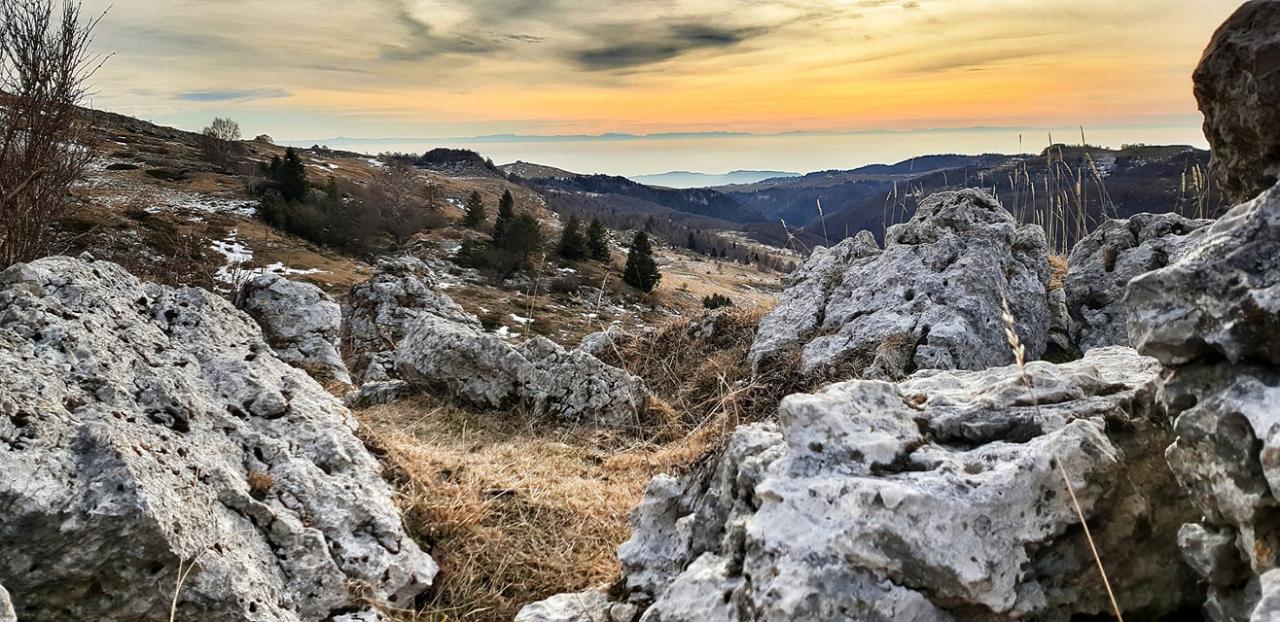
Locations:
(588, 606)
(381, 310)
(1213, 318)
(484, 369)
(300, 321)
(929, 300)
(602, 342)
(1212, 554)
(1237, 85)
(6, 607)
(1222, 299)
(1102, 264)
(144, 427)
(938, 498)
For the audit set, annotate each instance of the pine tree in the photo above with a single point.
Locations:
(641, 271)
(597, 243)
(289, 176)
(475, 211)
(522, 236)
(693, 243)
(573, 245)
(506, 211)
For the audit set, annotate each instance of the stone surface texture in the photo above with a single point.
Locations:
(1237, 85)
(1102, 264)
(144, 429)
(301, 323)
(931, 299)
(937, 498)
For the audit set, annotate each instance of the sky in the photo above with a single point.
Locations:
(309, 70)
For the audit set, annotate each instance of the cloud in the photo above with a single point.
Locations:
(630, 47)
(232, 95)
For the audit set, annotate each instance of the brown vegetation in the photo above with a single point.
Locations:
(516, 508)
(44, 65)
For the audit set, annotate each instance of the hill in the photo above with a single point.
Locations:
(686, 179)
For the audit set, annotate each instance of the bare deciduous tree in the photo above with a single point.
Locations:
(45, 64)
(220, 141)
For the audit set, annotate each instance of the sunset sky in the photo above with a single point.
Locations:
(312, 69)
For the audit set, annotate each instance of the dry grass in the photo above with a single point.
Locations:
(1058, 274)
(703, 381)
(516, 508)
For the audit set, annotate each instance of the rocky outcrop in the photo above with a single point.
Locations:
(301, 323)
(483, 369)
(381, 310)
(929, 300)
(1222, 300)
(1213, 318)
(144, 429)
(939, 498)
(1237, 85)
(1102, 264)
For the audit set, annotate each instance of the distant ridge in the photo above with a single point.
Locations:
(688, 179)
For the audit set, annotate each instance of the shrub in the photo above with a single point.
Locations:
(573, 244)
(716, 301)
(597, 242)
(475, 211)
(45, 63)
(219, 142)
(641, 271)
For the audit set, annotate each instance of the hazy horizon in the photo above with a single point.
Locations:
(427, 68)
(799, 152)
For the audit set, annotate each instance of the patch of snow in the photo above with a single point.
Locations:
(523, 321)
(505, 333)
(283, 270)
(237, 254)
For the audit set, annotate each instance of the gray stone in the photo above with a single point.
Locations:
(380, 311)
(484, 369)
(1212, 554)
(300, 321)
(1060, 347)
(1237, 85)
(1102, 264)
(144, 428)
(588, 606)
(6, 607)
(938, 498)
(1222, 299)
(930, 300)
(603, 342)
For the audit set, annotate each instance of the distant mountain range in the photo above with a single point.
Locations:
(1084, 182)
(687, 179)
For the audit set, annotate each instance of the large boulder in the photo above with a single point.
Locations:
(381, 310)
(939, 498)
(931, 299)
(1213, 318)
(146, 430)
(1237, 85)
(1102, 264)
(1221, 301)
(484, 369)
(300, 321)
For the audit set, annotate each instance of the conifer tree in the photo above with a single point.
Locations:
(641, 271)
(573, 244)
(475, 211)
(597, 243)
(506, 211)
